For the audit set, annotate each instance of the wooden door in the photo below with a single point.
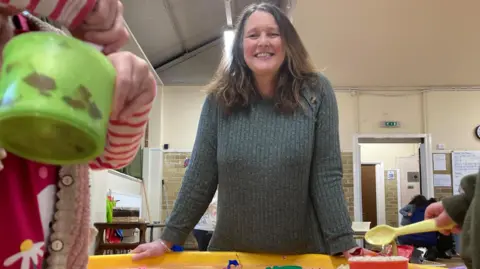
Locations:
(369, 194)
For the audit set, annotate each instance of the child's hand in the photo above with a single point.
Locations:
(6, 31)
(3, 155)
(104, 26)
(135, 85)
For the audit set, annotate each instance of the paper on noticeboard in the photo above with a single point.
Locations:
(439, 162)
(440, 180)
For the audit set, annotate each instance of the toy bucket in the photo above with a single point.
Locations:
(55, 98)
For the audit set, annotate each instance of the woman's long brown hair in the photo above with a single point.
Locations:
(233, 84)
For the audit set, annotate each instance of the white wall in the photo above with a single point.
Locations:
(181, 111)
(101, 183)
(396, 43)
(449, 116)
(387, 153)
(155, 121)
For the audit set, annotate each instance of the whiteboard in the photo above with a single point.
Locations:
(464, 163)
(128, 200)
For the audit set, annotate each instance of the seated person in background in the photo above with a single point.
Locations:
(408, 210)
(438, 246)
(425, 240)
(204, 230)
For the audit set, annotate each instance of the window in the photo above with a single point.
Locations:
(135, 168)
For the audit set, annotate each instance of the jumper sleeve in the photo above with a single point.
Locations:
(200, 181)
(70, 13)
(457, 205)
(405, 210)
(326, 175)
(123, 140)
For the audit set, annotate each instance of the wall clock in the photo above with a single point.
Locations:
(477, 131)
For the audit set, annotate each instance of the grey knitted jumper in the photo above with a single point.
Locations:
(279, 178)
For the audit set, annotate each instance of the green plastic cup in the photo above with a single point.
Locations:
(55, 99)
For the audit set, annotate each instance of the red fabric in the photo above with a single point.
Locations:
(27, 196)
(23, 25)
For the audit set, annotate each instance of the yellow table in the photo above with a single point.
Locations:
(219, 260)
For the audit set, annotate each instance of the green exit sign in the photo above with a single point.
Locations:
(390, 124)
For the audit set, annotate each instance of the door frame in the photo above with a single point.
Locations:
(399, 192)
(379, 189)
(426, 162)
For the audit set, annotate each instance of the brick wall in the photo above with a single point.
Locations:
(173, 172)
(391, 200)
(347, 161)
(442, 192)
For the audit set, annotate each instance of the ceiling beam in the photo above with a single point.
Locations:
(228, 13)
(289, 7)
(189, 55)
(176, 28)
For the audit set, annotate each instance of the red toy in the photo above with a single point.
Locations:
(378, 262)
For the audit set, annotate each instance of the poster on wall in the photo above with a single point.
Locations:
(391, 174)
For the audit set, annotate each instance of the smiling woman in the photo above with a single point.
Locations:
(268, 138)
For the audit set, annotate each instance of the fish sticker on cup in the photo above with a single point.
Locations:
(82, 100)
(42, 83)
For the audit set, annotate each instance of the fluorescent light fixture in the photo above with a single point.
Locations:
(228, 38)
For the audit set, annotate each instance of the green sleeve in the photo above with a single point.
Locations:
(200, 181)
(326, 175)
(457, 205)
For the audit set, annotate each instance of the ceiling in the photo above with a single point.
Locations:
(377, 43)
(368, 43)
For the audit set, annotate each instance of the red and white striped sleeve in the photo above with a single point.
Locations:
(70, 13)
(123, 141)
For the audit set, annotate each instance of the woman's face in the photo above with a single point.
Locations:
(263, 48)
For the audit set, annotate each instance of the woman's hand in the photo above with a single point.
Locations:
(3, 155)
(409, 214)
(150, 250)
(104, 26)
(135, 85)
(437, 211)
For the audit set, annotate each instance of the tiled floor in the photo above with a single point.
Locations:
(454, 262)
